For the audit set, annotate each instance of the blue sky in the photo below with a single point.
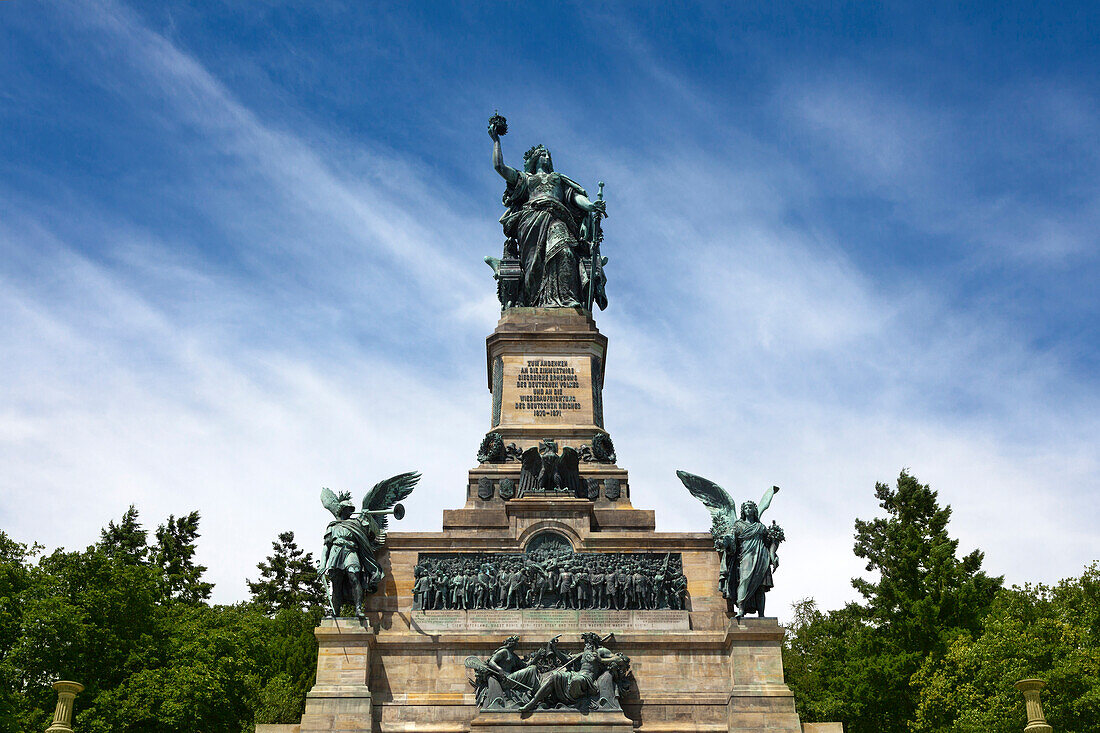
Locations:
(241, 258)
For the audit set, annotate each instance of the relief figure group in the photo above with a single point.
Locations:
(582, 581)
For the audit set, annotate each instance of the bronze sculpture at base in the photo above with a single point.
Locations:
(590, 680)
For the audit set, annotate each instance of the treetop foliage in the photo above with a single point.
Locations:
(288, 578)
(127, 539)
(131, 623)
(936, 644)
(174, 553)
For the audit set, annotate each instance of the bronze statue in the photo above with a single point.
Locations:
(748, 548)
(592, 679)
(352, 539)
(511, 674)
(577, 680)
(552, 232)
(545, 470)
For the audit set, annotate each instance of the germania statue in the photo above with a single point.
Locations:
(552, 229)
(351, 540)
(747, 546)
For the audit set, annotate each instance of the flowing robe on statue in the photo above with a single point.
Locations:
(754, 568)
(571, 686)
(543, 220)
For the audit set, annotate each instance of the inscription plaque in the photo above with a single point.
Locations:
(604, 619)
(432, 621)
(657, 620)
(495, 621)
(550, 620)
(547, 390)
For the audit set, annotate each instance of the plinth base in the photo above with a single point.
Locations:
(343, 708)
(383, 675)
(550, 721)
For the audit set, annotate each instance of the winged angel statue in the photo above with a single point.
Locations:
(351, 539)
(747, 547)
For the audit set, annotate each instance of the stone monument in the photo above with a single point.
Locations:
(549, 602)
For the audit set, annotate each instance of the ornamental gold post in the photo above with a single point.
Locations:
(63, 713)
(1036, 721)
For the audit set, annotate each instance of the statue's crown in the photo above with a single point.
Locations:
(535, 150)
(344, 496)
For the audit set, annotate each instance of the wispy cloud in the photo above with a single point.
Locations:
(270, 307)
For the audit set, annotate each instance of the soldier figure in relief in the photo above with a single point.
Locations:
(610, 586)
(565, 588)
(595, 582)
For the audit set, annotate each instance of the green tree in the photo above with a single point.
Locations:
(857, 664)
(87, 616)
(16, 577)
(1034, 631)
(127, 539)
(821, 648)
(174, 553)
(291, 668)
(150, 659)
(288, 578)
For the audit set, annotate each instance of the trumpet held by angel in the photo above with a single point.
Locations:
(748, 548)
(348, 561)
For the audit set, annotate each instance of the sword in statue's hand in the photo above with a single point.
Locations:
(597, 238)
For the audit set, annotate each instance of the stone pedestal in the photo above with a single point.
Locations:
(694, 680)
(1036, 721)
(760, 701)
(545, 368)
(341, 697)
(63, 713)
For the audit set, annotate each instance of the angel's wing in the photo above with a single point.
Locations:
(569, 470)
(330, 502)
(713, 496)
(387, 493)
(529, 470)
